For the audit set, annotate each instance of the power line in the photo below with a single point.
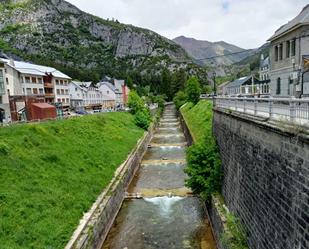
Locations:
(223, 55)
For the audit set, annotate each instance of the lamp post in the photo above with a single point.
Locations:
(215, 86)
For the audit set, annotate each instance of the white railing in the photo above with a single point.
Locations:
(283, 109)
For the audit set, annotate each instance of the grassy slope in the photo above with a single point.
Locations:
(51, 173)
(198, 119)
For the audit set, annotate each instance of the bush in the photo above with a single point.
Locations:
(204, 168)
(142, 118)
(193, 90)
(180, 99)
(135, 102)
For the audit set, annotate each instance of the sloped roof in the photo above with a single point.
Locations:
(33, 69)
(44, 105)
(301, 19)
(239, 81)
(108, 84)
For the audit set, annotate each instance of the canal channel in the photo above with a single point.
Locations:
(160, 212)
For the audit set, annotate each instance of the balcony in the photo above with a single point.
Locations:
(48, 85)
(49, 95)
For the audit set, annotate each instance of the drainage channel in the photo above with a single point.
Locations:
(159, 211)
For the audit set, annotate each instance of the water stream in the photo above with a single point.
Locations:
(167, 216)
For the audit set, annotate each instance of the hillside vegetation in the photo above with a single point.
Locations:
(86, 47)
(51, 173)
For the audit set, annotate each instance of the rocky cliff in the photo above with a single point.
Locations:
(54, 32)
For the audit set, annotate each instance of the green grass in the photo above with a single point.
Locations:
(51, 173)
(198, 119)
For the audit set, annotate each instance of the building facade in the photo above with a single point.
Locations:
(289, 46)
(4, 97)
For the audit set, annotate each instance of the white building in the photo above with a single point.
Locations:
(4, 97)
(289, 47)
(77, 94)
(91, 97)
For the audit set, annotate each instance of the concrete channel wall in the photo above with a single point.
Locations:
(216, 219)
(266, 178)
(95, 225)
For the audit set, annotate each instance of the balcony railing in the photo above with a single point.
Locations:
(48, 85)
(283, 109)
(49, 95)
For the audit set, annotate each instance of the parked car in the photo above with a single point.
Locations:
(82, 112)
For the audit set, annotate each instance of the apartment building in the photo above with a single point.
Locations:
(289, 48)
(4, 96)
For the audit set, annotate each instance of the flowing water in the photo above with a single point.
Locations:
(167, 216)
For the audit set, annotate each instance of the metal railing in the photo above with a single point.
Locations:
(283, 109)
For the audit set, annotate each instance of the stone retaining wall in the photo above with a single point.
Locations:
(96, 224)
(266, 178)
(216, 220)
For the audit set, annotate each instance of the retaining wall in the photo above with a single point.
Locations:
(96, 224)
(266, 178)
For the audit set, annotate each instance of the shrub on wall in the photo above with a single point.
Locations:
(193, 90)
(140, 111)
(180, 99)
(204, 168)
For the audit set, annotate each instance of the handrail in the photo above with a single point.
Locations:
(284, 109)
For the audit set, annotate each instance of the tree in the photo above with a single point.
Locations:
(135, 102)
(178, 81)
(193, 90)
(180, 99)
(166, 83)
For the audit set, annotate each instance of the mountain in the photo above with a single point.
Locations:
(56, 33)
(254, 59)
(198, 49)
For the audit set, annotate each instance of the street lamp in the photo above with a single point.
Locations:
(215, 86)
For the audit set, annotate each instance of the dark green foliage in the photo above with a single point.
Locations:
(142, 118)
(180, 99)
(193, 90)
(204, 165)
(140, 111)
(204, 168)
(235, 237)
(51, 173)
(135, 102)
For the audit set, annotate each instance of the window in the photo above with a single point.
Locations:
(57, 83)
(33, 80)
(58, 91)
(1, 100)
(66, 91)
(107, 92)
(281, 51)
(1, 82)
(293, 49)
(62, 91)
(278, 90)
(75, 89)
(40, 81)
(276, 53)
(35, 91)
(288, 49)
(58, 100)
(27, 79)
(41, 91)
(63, 101)
(61, 82)
(67, 100)
(28, 91)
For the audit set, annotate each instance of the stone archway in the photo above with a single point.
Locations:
(2, 115)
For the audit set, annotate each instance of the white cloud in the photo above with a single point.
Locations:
(246, 23)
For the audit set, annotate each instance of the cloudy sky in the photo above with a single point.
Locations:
(246, 23)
